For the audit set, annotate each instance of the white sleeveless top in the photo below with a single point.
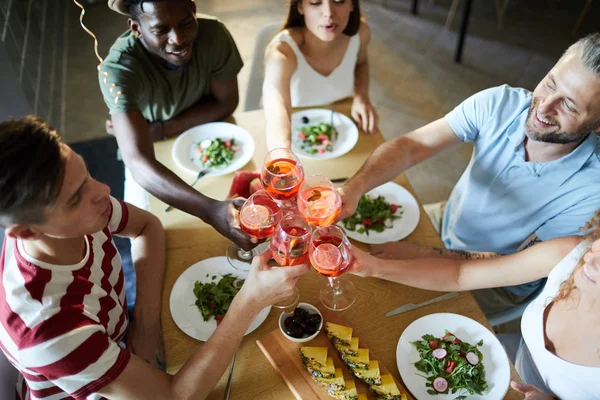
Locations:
(309, 88)
(539, 367)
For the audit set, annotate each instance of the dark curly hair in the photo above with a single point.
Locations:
(31, 170)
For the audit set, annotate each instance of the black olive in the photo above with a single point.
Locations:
(288, 322)
(297, 320)
(296, 332)
(305, 120)
(310, 329)
(300, 312)
(315, 319)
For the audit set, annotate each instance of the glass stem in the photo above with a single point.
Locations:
(244, 255)
(335, 285)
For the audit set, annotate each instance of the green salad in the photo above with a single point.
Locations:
(213, 299)
(453, 366)
(317, 138)
(373, 214)
(216, 152)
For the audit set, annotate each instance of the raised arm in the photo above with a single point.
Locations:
(394, 157)
(148, 256)
(280, 64)
(131, 131)
(363, 111)
(459, 275)
(204, 368)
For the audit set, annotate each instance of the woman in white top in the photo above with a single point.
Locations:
(560, 352)
(318, 58)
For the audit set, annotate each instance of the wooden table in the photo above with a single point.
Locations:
(190, 240)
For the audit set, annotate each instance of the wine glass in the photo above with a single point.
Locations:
(319, 202)
(289, 246)
(330, 255)
(259, 216)
(282, 174)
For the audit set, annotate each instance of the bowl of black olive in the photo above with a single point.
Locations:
(301, 325)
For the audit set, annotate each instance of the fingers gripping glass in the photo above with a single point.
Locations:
(259, 216)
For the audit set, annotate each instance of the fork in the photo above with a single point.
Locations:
(228, 387)
(334, 131)
(200, 175)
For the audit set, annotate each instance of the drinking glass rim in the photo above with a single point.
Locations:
(293, 157)
(335, 227)
(308, 232)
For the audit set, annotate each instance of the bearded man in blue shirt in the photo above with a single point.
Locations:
(534, 174)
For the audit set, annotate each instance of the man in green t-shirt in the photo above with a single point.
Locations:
(170, 71)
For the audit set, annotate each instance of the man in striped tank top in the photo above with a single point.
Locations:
(62, 296)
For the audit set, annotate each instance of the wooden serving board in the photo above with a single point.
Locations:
(284, 357)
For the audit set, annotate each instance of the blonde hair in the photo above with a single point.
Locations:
(593, 232)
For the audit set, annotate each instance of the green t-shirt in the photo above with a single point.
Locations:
(158, 92)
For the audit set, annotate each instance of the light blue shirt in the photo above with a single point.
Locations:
(501, 199)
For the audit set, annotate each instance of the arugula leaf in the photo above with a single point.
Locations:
(214, 299)
(371, 215)
(464, 377)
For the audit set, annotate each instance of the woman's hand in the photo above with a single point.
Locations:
(365, 115)
(530, 392)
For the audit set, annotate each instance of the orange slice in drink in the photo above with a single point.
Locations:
(325, 205)
(327, 255)
(254, 216)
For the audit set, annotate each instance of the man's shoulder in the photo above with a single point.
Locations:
(505, 96)
(125, 54)
(208, 24)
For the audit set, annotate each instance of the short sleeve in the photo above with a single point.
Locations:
(118, 217)
(469, 117)
(570, 222)
(80, 362)
(122, 74)
(226, 61)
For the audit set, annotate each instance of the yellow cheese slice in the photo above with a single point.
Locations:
(349, 393)
(325, 371)
(316, 355)
(335, 383)
(387, 388)
(338, 333)
(361, 361)
(372, 375)
(352, 349)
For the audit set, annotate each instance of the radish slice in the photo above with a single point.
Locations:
(472, 358)
(440, 385)
(440, 354)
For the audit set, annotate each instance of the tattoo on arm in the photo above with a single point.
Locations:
(465, 254)
(479, 255)
(532, 242)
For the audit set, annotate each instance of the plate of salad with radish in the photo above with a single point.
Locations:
(322, 134)
(385, 214)
(220, 147)
(449, 356)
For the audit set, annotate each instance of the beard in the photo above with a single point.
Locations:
(557, 137)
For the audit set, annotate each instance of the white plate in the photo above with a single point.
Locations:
(347, 132)
(183, 310)
(184, 148)
(394, 194)
(495, 361)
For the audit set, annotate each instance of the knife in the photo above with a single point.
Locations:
(413, 306)
(339, 180)
(200, 175)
